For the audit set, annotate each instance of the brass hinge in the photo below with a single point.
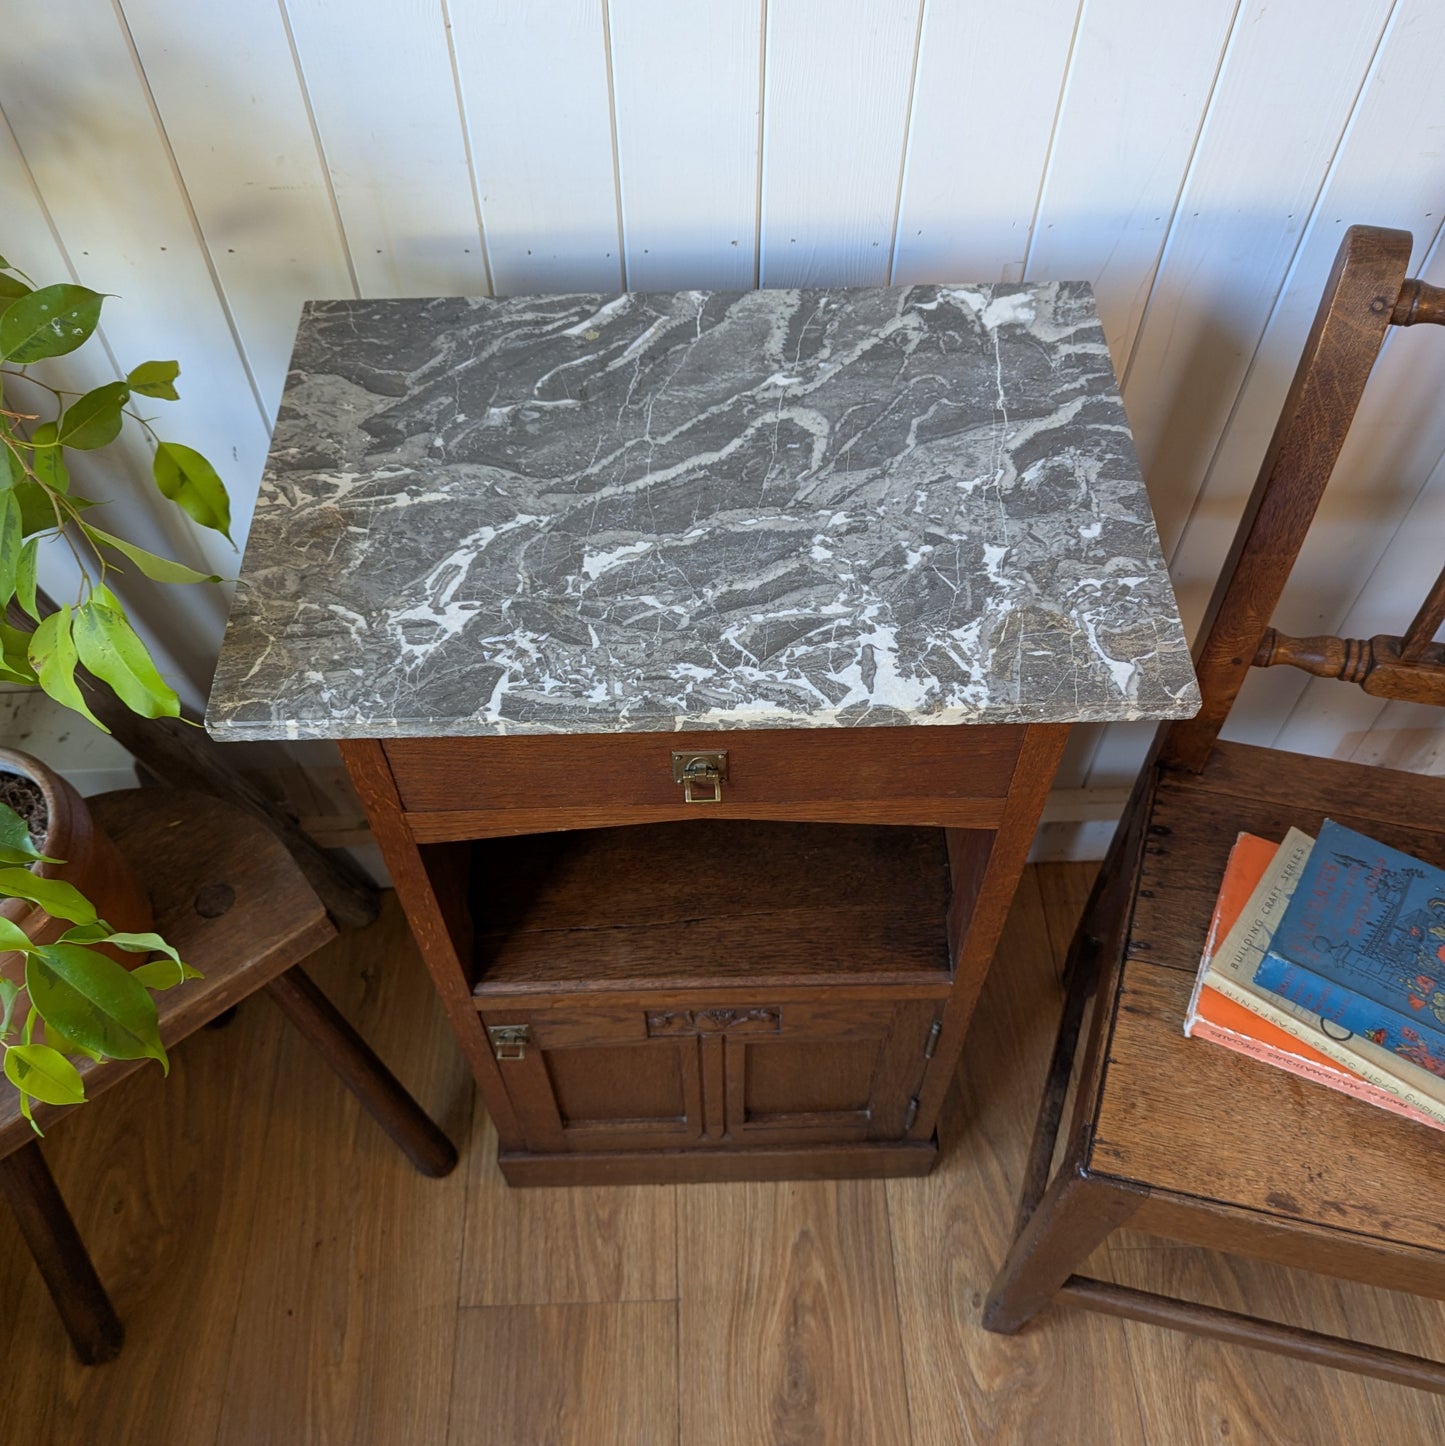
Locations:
(912, 1114)
(509, 1041)
(931, 1044)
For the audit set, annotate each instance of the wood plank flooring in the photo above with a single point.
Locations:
(286, 1278)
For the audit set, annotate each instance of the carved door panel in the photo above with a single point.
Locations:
(830, 1072)
(591, 1079)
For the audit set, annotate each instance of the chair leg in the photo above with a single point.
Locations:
(1081, 976)
(89, 1318)
(363, 1073)
(1076, 1215)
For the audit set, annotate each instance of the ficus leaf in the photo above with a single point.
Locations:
(49, 322)
(59, 899)
(15, 655)
(155, 379)
(25, 578)
(94, 419)
(143, 944)
(158, 569)
(190, 481)
(111, 651)
(94, 933)
(10, 288)
(47, 458)
(160, 973)
(13, 937)
(53, 656)
(44, 1073)
(15, 839)
(164, 973)
(11, 542)
(58, 1039)
(37, 511)
(13, 473)
(94, 1001)
(9, 993)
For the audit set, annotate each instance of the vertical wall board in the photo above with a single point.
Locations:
(1398, 115)
(1398, 435)
(835, 118)
(107, 180)
(536, 90)
(1122, 147)
(1399, 431)
(984, 101)
(224, 80)
(1286, 88)
(686, 83)
(1119, 158)
(383, 93)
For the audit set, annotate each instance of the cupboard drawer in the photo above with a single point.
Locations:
(950, 776)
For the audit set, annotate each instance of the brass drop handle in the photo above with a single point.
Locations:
(702, 771)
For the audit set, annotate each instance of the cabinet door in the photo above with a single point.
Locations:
(828, 1073)
(590, 1078)
(595, 1077)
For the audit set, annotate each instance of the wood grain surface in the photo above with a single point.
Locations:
(564, 1246)
(709, 904)
(248, 1186)
(341, 1218)
(566, 1375)
(951, 1230)
(789, 1289)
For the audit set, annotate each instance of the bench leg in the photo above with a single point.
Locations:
(89, 1318)
(363, 1073)
(1076, 1215)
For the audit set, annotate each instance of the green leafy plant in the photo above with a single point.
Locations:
(39, 507)
(74, 1001)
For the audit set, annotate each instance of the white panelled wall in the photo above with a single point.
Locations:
(213, 166)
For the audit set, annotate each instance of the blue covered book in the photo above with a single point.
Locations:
(1362, 944)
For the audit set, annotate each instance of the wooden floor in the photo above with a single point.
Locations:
(285, 1278)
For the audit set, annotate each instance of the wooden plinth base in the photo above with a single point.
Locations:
(873, 1161)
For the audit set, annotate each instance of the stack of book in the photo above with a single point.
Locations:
(1327, 958)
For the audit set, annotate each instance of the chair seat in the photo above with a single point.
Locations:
(226, 894)
(1188, 1117)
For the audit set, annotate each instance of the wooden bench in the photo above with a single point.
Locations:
(230, 898)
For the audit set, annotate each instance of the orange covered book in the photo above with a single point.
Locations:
(1216, 1017)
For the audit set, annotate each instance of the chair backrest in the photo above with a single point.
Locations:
(1367, 293)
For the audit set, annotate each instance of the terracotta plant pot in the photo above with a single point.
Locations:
(92, 864)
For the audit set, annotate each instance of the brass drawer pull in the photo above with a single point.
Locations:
(700, 770)
(509, 1041)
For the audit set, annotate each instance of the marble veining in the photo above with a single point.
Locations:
(700, 510)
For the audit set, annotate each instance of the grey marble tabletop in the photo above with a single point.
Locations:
(702, 510)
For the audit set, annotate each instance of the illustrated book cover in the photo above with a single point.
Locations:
(1221, 1020)
(1231, 969)
(1362, 944)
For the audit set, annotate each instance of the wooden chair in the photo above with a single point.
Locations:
(1177, 1137)
(229, 896)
